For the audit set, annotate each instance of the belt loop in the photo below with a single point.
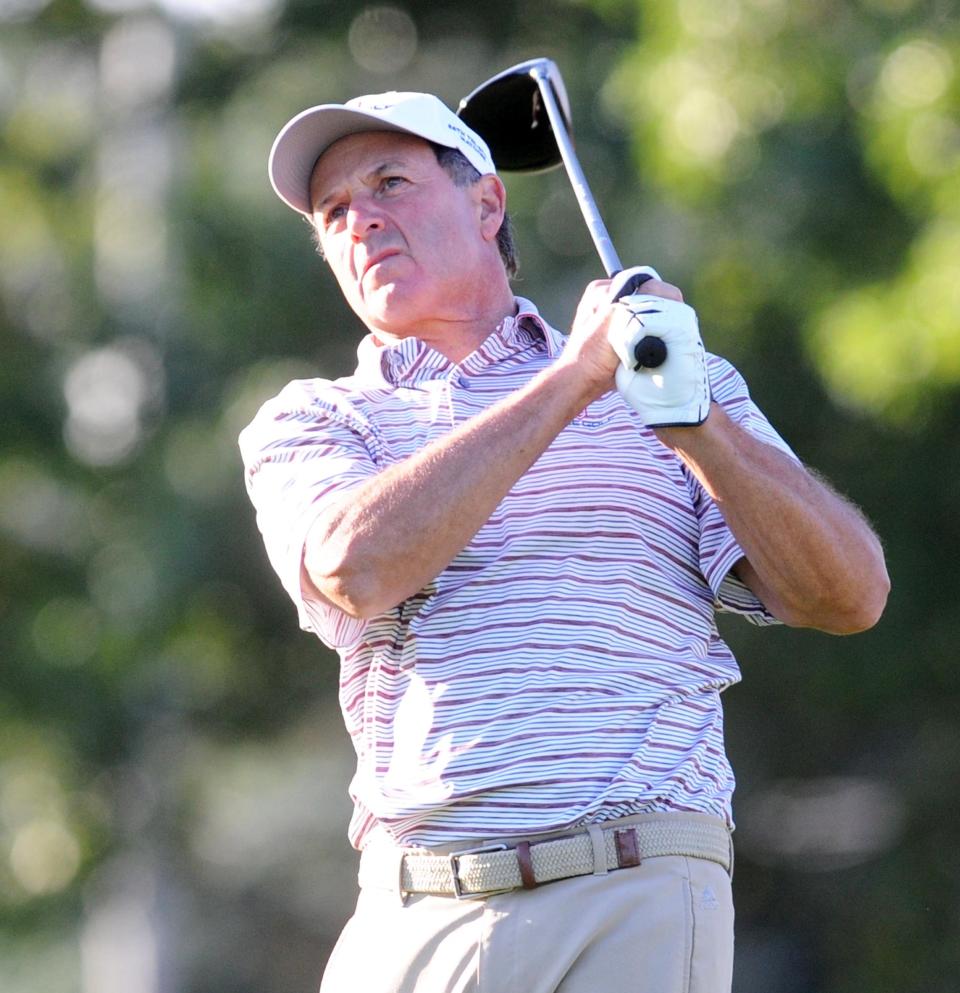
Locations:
(599, 849)
(628, 849)
(525, 864)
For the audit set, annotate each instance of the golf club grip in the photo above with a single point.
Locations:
(650, 352)
(627, 285)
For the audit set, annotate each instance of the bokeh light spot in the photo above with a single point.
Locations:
(705, 124)
(107, 392)
(44, 857)
(916, 74)
(383, 39)
(39, 511)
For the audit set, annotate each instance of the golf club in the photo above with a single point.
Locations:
(523, 114)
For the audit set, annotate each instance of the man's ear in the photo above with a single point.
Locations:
(493, 205)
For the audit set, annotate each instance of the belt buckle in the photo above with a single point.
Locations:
(454, 858)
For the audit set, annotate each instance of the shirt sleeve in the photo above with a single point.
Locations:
(719, 550)
(306, 448)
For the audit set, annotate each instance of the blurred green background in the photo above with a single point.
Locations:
(172, 763)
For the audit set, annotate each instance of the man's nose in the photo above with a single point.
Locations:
(362, 218)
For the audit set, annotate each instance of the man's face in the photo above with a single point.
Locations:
(404, 242)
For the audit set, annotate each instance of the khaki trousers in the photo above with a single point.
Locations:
(665, 926)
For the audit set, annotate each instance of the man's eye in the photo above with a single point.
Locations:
(335, 213)
(391, 182)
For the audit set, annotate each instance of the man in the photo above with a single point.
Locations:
(519, 565)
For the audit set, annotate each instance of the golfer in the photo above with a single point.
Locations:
(517, 543)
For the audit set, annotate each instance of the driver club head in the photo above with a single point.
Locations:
(507, 111)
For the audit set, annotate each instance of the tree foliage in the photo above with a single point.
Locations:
(172, 768)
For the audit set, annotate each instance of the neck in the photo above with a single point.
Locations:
(457, 336)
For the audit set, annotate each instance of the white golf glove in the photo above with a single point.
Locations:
(671, 390)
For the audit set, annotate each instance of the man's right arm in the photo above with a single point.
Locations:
(393, 535)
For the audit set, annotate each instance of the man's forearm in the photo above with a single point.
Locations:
(810, 556)
(393, 535)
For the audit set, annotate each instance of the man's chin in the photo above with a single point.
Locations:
(387, 311)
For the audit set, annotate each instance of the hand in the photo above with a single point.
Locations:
(588, 348)
(675, 393)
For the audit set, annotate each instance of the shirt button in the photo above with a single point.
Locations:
(463, 382)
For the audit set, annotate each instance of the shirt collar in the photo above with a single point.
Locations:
(411, 361)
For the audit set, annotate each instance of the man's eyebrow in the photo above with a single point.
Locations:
(384, 167)
(388, 166)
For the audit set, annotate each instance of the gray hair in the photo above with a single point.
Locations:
(456, 165)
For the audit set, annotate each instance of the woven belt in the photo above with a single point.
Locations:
(495, 868)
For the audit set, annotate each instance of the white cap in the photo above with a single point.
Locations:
(304, 138)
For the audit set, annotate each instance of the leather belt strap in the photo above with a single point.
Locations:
(478, 872)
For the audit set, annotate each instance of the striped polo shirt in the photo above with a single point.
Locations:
(566, 666)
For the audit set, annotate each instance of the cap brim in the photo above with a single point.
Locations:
(305, 138)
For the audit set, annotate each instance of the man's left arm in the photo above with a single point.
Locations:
(810, 556)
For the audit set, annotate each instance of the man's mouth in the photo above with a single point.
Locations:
(377, 258)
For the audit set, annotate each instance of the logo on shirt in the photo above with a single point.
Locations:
(588, 418)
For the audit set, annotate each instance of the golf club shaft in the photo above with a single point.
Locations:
(588, 207)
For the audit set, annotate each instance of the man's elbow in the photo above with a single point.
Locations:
(869, 593)
(849, 611)
(869, 606)
(337, 580)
